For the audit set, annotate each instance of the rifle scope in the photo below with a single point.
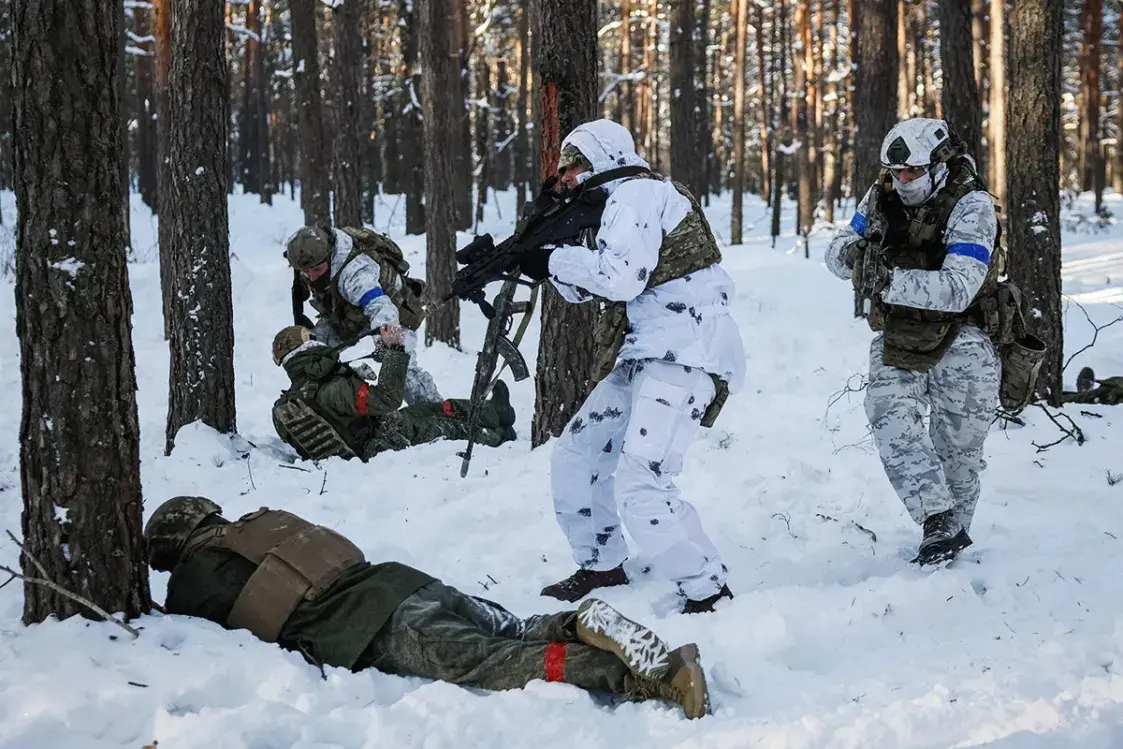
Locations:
(475, 249)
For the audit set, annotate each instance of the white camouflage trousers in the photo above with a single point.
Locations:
(627, 442)
(935, 468)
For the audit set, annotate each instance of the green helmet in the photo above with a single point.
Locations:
(570, 156)
(170, 526)
(309, 246)
(289, 339)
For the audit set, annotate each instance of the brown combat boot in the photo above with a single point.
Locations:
(583, 582)
(605, 628)
(684, 683)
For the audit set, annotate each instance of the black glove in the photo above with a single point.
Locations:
(853, 252)
(535, 264)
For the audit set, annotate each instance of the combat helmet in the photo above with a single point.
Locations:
(572, 156)
(171, 525)
(309, 246)
(288, 340)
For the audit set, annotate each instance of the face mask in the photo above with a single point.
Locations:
(916, 191)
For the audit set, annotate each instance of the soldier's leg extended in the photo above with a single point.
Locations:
(428, 636)
(963, 390)
(420, 385)
(668, 401)
(896, 401)
(449, 419)
(582, 468)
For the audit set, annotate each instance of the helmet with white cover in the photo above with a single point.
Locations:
(917, 142)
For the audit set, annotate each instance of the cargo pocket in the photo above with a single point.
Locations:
(657, 428)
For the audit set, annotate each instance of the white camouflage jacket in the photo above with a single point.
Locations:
(686, 320)
(969, 237)
(359, 282)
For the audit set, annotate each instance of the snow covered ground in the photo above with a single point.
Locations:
(833, 640)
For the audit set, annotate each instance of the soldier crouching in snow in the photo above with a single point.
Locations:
(330, 410)
(668, 355)
(310, 590)
(936, 279)
(356, 279)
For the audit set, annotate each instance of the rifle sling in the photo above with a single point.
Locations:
(621, 172)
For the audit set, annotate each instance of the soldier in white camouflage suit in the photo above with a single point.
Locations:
(932, 355)
(667, 348)
(344, 271)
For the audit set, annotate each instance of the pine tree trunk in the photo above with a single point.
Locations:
(906, 69)
(162, 12)
(1033, 128)
(979, 55)
(460, 44)
(145, 111)
(260, 157)
(830, 117)
(315, 190)
(346, 164)
(996, 140)
(1091, 148)
(739, 122)
(201, 376)
(501, 162)
(1117, 175)
(684, 156)
(960, 96)
(79, 453)
(522, 139)
(5, 103)
(804, 87)
(483, 141)
(765, 109)
(704, 149)
(411, 151)
(875, 90)
(625, 97)
(931, 102)
(441, 106)
(566, 60)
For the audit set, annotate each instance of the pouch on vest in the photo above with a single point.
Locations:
(315, 438)
(917, 345)
(1021, 353)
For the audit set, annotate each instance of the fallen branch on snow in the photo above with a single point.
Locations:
(1075, 432)
(45, 581)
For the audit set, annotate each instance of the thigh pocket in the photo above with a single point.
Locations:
(656, 427)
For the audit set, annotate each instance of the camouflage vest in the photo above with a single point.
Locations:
(406, 293)
(315, 435)
(916, 339)
(296, 561)
(687, 249)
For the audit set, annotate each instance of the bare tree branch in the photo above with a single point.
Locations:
(1075, 432)
(44, 580)
(1095, 328)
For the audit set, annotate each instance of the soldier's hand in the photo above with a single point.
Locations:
(854, 252)
(391, 334)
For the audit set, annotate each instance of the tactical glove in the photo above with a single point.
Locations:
(853, 251)
(535, 264)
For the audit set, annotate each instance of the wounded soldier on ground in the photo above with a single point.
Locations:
(310, 590)
(329, 410)
(1107, 392)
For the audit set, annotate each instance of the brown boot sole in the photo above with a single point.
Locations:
(690, 680)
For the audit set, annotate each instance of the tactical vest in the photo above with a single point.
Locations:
(316, 436)
(405, 292)
(687, 249)
(296, 561)
(916, 339)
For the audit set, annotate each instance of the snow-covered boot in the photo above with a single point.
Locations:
(944, 537)
(583, 582)
(684, 683)
(605, 628)
(706, 605)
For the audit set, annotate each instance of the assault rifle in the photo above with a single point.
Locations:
(872, 245)
(553, 218)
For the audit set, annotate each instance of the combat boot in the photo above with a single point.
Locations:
(706, 605)
(684, 683)
(583, 582)
(605, 628)
(500, 401)
(944, 537)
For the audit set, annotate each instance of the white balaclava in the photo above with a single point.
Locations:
(920, 189)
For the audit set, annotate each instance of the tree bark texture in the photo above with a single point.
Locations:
(522, 173)
(739, 122)
(408, 112)
(1091, 161)
(441, 106)
(875, 88)
(5, 101)
(201, 376)
(960, 95)
(460, 45)
(260, 128)
(163, 47)
(346, 64)
(1033, 128)
(79, 454)
(501, 161)
(566, 61)
(1117, 175)
(684, 140)
(625, 92)
(145, 110)
(830, 116)
(996, 140)
(704, 149)
(804, 90)
(906, 62)
(315, 191)
(765, 110)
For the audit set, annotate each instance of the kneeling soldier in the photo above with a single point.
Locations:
(309, 589)
(330, 410)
